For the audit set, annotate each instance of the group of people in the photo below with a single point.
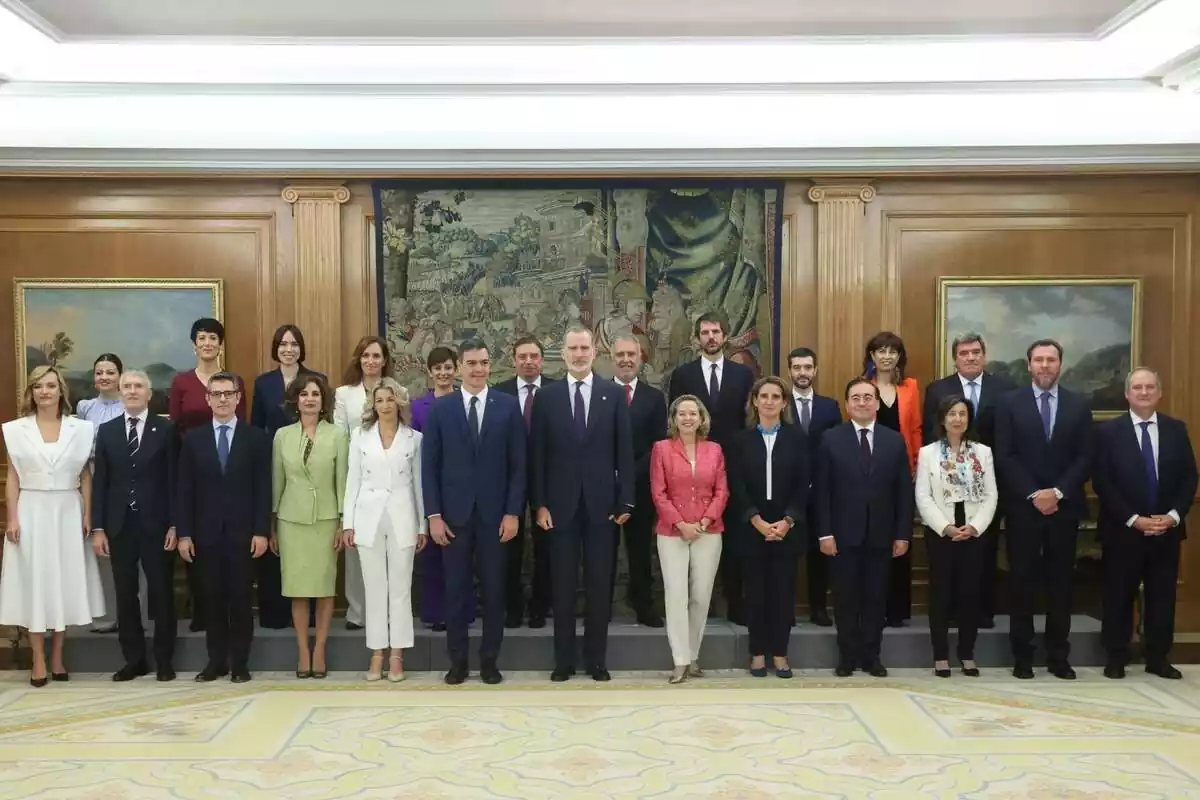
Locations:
(734, 479)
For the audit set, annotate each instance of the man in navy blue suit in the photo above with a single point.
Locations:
(816, 414)
(473, 482)
(865, 517)
(583, 487)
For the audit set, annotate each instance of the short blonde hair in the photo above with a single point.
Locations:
(404, 410)
(673, 424)
(29, 405)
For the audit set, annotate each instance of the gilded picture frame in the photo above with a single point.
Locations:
(1098, 321)
(146, 322)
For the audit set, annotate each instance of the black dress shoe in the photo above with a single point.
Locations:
(649, 619)
(821, 619)
(165, 674)
(458, 674)
(600, 674)
(942, 673)
(512, 620)
(131, 671)
(438, 627)
(196, 626)
(561, 675)
(60, 677)
(1062, 671)
(490, 674)
(1023, 671)
(353, 626)
(876, 670)
(987, 623)
(896, 623)
(843, 671)
(240, 676)
(210, 674)
(1114, 671)
(1164, 670)
(537, 621)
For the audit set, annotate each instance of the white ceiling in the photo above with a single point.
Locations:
(74, 20)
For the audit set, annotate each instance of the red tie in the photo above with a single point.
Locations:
(628, 394)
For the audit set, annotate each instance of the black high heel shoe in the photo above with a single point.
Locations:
(60, 677)
(38, 683)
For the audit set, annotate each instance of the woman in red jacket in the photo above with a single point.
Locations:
(687, 482)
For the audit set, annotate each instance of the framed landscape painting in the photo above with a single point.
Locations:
(1097, 321)
(68, 322)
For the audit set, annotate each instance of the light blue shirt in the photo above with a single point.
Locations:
(1037, 400)
(232, 425)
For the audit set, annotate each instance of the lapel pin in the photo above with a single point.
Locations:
(603, 397)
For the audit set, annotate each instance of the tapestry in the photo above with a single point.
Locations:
(499, 261)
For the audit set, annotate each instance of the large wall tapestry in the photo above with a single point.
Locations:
(500, 261)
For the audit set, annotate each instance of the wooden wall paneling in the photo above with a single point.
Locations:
(359, 305)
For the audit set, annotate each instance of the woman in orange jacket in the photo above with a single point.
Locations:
(899, 409)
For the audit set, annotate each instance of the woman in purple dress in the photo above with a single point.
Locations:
(442, 364)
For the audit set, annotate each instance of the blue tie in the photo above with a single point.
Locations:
(1148, 461)
(223, 446)
(580, 411)
(973, 395)
(1046, 426)
(473, 422)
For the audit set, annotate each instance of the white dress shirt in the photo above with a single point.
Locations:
(966, 386)
(523, 390)
(1153, 431)
(632, 387)
(478, 406)
(708, 366)
(587, 393)
(141, 425)
(769, 441)
(870, 429)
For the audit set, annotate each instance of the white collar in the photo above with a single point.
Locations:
(719, 361)
(1138, 420)
(587, 380)
(140, 417)
(1053, 391)
(796, 394)
(522, 383)
(964, 380)
(632, 384)
(467, 396)
(868, 428)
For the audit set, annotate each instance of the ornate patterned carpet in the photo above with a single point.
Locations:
(726, 737)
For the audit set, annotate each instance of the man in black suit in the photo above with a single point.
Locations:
(724, 387)
(648, 421)
(983, 391)
(223, 513)
(526, 386)
(1145, 476)
(1043, 456)
(582, 484)
(473, 480)
(865, 518)
(816, 414)
(133, 498)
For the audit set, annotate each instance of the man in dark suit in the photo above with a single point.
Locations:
(724, 387)
(983, 391)
(1043, 456)
(648, 421)
(525, 386)
(582, 484)
(223, 512)
(133, 498)
(1145, 476)
(815, 414)
(865, 519)
(473, 480)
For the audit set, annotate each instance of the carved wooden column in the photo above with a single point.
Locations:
(841, 235)
(316, 209)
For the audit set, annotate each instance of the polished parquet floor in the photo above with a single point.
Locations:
(726, 736)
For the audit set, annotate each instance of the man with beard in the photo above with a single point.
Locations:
(983, 391)
(526, 387)
(724, 387)
(582, 454)
(815, 414)
(648, 421)
(1043, 454)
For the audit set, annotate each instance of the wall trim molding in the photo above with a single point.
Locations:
(82, 163)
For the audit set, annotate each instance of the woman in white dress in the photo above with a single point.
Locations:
(384, 519)
(49, 578)
(370, 361)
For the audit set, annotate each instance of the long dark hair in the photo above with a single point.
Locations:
(878, 342)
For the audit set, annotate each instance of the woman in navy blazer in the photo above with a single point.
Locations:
(269, 413)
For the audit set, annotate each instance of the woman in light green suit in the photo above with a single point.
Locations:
(308, 480)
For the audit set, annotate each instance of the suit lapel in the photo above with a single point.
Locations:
(600, 394)
(488, 411)
(151, 440)
(460, 415)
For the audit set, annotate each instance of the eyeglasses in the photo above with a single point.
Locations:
(223, 395)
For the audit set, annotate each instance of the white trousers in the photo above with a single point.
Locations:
(387, 570)
(689, 570)
(354, 587)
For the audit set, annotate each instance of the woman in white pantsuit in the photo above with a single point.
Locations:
(384, 519)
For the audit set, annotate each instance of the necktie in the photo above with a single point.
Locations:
(973, 395)
(1045, 410)
(1148, 461)
(864, 449)
(133, 448)
(628, 394)
(805, 412)
(473, 421)
(714, 388)
(530, 389)
(223, 446)
(580, 411)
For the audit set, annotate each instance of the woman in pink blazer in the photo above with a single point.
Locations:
(687, 482)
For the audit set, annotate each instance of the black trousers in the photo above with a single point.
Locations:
(226, 571)
(639, 538)
(899, 589)
(860, 581)
(592, 537)
(514, 558)
(195, 583)
(770, 581)
(816, 568)
(954, 572)
(274, 610)
(1040, 549)
(476, 544)
(133, 547)
(1131, 559)
(990, 566)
